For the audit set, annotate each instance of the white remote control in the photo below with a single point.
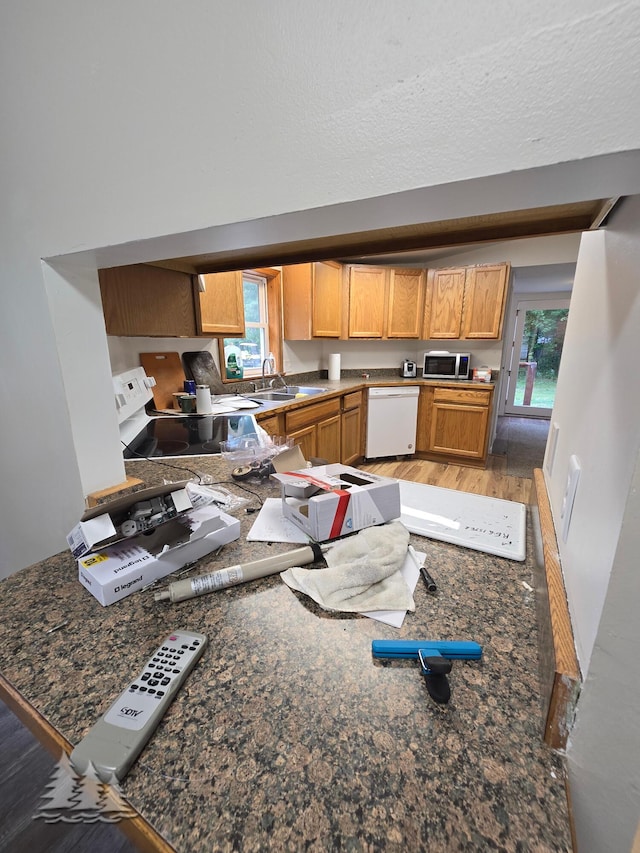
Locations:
(115, 741)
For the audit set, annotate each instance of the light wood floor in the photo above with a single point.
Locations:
(492, 480)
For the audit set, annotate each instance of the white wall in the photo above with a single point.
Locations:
(597, 408)
(598, 411)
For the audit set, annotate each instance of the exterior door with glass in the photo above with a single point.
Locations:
(538, 337)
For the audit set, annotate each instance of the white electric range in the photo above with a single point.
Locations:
(146, 434)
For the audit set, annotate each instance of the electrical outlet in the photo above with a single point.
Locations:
(569, 495)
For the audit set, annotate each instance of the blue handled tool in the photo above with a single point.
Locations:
(435, 658)
(408, 649)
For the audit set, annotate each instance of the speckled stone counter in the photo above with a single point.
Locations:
(288, 735)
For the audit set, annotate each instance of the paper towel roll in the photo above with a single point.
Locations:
(334, 366)
(203, 400)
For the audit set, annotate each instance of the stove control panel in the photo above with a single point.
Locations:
(132, 391)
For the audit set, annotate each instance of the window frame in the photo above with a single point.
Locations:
(272, 277)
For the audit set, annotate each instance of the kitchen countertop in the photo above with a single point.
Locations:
(288, 735)
(351, 383)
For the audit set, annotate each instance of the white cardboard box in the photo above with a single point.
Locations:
(345, 500)
(98, 527)
(127, 566)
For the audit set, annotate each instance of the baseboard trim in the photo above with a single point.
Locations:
(560, 679)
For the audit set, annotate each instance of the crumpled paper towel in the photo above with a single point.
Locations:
(363, 573)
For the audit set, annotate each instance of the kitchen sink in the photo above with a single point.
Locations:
(287, 392)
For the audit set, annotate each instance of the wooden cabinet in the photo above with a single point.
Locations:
(454, 423)
(351, 427)
(445, 297)
(466, 302)
(485, 295)
(405, 304)
(385, 303)
(148, 301)
(316, 428)
(271, 423)
(312, 300)
(141, 300)
(220, 304)
(367, 301)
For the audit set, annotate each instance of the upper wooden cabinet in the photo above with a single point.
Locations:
(485, 295)
(445, 297)
(385, 302)
(406, 303)
(220, 306)
(148, 301)
(312, 300)
(466, 302)
(367, 301)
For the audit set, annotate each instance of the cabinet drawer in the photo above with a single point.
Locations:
(311, 414)
(351, 401)
(462, 395)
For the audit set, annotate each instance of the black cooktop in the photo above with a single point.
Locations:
(188, 436)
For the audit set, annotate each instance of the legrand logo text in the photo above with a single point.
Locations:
(132, 563)
(127, 585)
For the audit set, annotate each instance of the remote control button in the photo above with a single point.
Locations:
(160, 693)
(151, 690)
(153, 682)
(177, 671)
(165, 681)
(143, 690)
(184, 647)
(192, 648)
(196, 642)
(146, 676)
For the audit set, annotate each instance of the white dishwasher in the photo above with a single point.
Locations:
(392, 418)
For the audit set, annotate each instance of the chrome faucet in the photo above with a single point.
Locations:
(278, 377)
(270, 363)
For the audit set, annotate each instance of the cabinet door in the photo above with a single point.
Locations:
(328, 442)
(367, 301)
(351, 429)
(327, 300)
(445, 296)
(307, 439)
(484, 301)
(296, 301)
(141, 300)
(271, 424)
(222, 304)
(459, 422)
(406, 303)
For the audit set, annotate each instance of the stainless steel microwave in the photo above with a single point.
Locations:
(439, 364)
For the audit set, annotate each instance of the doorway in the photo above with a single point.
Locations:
(536, 350)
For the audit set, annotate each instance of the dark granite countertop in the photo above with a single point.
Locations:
(288, 735)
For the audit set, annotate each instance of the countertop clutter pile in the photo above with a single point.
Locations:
(125, 545)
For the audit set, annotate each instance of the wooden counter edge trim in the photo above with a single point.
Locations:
(136, 828)
(560, 671)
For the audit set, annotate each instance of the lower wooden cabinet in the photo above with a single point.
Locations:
(316, 428)
(352, 449)
(272, 424)
(453, 424)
